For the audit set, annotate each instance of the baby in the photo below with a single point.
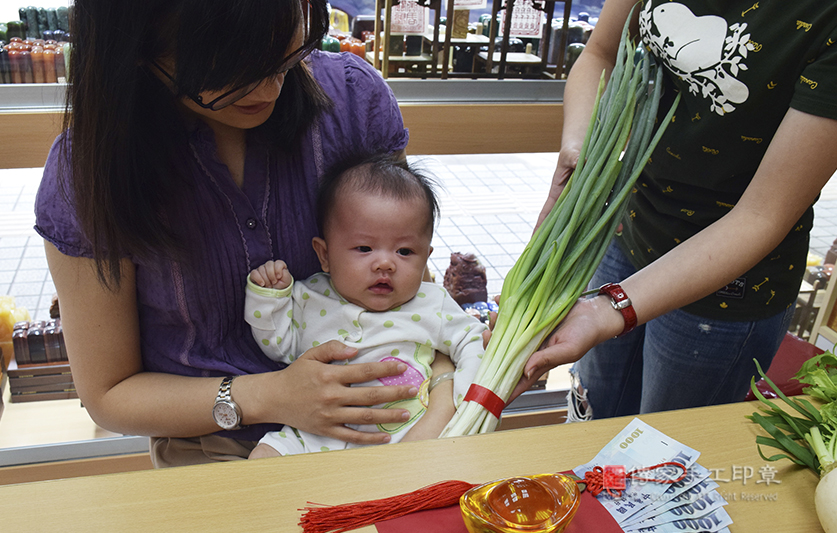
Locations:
(376, 222)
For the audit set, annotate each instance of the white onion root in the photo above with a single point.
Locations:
(825, 500)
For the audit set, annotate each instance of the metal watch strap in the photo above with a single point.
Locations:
(225, 390)
(620, 301)
(225, 407)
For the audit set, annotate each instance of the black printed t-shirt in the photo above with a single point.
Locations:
(739, 67)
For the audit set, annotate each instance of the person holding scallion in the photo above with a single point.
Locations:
(703, 276)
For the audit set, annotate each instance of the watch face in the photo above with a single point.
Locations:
(225, 415)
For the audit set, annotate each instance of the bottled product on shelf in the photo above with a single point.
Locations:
(33, 49)
(342, 42)
(33, 61)
(39, 342)
(40, 369)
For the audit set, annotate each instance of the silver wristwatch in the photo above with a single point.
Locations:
(226, 412)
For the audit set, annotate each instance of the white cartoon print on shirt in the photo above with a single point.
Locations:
(704, 51)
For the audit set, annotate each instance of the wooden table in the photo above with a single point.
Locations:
(266, 494)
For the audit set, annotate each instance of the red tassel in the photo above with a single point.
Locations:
(340, 518)
(596, 478)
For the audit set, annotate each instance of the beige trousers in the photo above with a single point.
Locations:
(169, 451)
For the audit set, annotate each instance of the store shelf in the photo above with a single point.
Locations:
(34, 97)
(57, 430)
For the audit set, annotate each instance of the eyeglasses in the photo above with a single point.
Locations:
(233, 96)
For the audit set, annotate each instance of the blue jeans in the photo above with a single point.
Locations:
(676, 361)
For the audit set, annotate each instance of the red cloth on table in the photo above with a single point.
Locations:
(591, 516)
(793, 352)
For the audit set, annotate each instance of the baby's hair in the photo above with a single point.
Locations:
(385, 175)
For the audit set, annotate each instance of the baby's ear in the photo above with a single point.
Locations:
(321, 249)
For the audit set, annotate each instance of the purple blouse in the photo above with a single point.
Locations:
(192, 318)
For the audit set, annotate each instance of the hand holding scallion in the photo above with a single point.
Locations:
(555, 267)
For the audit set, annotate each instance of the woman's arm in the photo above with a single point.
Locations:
(799, 161)
(101, 331)
(580, 90)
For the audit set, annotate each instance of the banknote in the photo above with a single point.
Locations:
(696, 484)
(703, 506)
(659, 504)
(640, 446)
(715, 521)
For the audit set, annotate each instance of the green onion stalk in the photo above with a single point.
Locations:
(810, 440)
(563, 253)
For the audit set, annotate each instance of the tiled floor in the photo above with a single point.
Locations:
(489, 206)
(23, 267)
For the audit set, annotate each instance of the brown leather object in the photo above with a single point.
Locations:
(465, 279)
(54, 312)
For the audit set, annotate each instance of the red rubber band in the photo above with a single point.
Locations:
(486, 398)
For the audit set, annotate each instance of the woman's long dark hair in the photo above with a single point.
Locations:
(125, 130)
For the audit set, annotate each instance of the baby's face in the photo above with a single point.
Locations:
(376, 249)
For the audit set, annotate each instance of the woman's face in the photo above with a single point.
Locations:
(249, 112)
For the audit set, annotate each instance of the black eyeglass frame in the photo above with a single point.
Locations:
(233, 96)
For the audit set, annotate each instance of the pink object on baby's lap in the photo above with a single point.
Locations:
(411, 376)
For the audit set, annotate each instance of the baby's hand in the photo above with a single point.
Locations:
(273, 275)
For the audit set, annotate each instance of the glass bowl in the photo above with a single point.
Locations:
(543, 502)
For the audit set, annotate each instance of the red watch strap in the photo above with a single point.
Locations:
(621, 303)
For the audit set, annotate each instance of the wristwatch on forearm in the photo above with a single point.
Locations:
(620, 301)
(226, 412)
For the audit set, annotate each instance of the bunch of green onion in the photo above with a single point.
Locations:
(565, 250)
(809, 440)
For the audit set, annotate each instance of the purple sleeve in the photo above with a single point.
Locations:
(365, 117)
(55, 218)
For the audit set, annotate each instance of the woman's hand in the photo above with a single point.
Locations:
(315, 396)
(567, 161)
(492, 320)
(588, 323)
(580, 91)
